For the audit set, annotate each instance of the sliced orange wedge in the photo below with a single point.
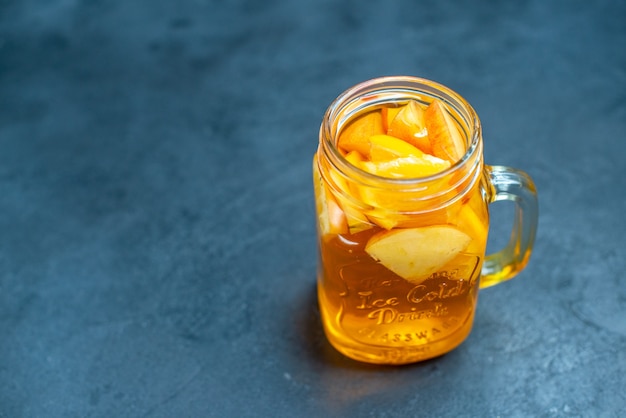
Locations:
(355, 158)
(472, 223)
(385, 148)
(355, 136)
(409, 167)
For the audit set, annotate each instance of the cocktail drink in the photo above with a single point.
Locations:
(402, 200)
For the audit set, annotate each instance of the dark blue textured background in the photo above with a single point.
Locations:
(157, 246)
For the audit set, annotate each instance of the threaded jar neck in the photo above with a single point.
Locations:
(422, 194)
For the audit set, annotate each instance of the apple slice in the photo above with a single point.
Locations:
(416, 253)
(356, 220)
(385, 147)
(410, 126)
(388, 114)
(337, 223)
(444, 137)
(355, 136)
(332, 220)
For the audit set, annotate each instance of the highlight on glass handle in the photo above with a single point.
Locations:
(506, 183)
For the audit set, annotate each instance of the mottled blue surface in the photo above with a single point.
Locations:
(157, 246)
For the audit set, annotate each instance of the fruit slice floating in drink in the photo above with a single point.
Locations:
(355, 136)
(409, 124)
(416, 253)
(443, 135)
(411, 166)
(332, 219)
(387, 147)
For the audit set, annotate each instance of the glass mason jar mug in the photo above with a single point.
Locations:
(402, 246)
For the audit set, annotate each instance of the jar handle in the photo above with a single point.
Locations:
(505, 183)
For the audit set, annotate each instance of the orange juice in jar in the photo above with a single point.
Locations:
(402, 200)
